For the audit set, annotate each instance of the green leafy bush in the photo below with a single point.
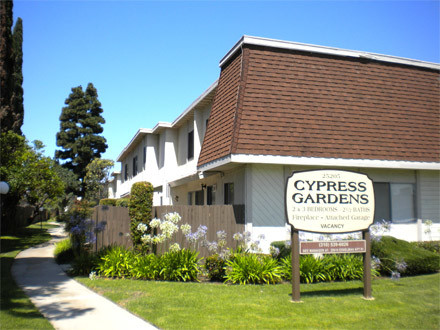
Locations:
(433, 246)
(394, 252)
(179, 265)
(139, 209)
(84, 263)
(312, 270)
(108, 201)
(337, 267)
(344, 267)
(117, 262)
(146, 267)
(64, 251)
(215, 267)
(122, 202)
(253, 269)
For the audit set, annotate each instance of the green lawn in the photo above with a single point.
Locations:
(410, 303)
(16, 310)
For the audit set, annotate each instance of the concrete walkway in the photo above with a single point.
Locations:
(63, 301)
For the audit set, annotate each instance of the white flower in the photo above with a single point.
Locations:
(146, 239)
(173, 217)
(175, 247)
(168, 228)
(186, 229)
(155, 223)
(159, 238)
(142, 227)
(237, 236)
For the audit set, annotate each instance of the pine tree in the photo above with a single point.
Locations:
(80, 126)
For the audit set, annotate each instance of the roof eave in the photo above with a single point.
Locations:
(258, 41)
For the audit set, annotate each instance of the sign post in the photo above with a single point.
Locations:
(330, 201)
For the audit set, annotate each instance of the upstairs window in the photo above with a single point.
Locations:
(126, 172)
(135, 166)
(191, 145)
(145, 156)
(229, 193)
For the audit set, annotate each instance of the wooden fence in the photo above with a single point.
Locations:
(229, 218)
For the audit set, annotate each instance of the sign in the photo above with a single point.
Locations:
(329, 201)
(327, 247)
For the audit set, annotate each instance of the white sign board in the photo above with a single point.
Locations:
(329, 201)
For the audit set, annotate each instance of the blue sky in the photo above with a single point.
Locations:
(150, 59)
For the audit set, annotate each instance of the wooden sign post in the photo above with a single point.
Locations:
(330, 201)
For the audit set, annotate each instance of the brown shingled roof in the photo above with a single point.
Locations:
(273, 101)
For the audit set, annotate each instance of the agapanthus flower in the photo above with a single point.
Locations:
(221, 235)
(142, 227)
(237, 236)
(185, 228)
(155, 223)
(146, 239)
(173, 217)
(401, 266)
(174, 247)
(274, 251)
(395, 276)
(212, 246)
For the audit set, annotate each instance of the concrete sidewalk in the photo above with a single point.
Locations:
(63, 301)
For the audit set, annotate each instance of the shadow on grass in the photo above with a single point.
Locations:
(332, 293)
(23, 239)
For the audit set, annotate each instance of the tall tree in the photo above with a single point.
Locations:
(17, 90)
(6, 66)
(11, 77)
(80, 129)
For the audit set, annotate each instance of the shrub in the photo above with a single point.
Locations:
(122, 202)
(344, 267)
(283, 248)
(216, 268)
(312, 270)
(337, 267)
(179, 265)
(433, 246)
(108, 201)
(393, 252)
(146, 267)
(116, 262)
(84, 263)
(253, 269)
(139, 209)
(64, 251)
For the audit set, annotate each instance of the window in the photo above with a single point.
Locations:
(395, 202)
(126, 172)
(210, 195)
(145, 156)
(200, 197)
(229, 193)
(191, 145)
(135, 166)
